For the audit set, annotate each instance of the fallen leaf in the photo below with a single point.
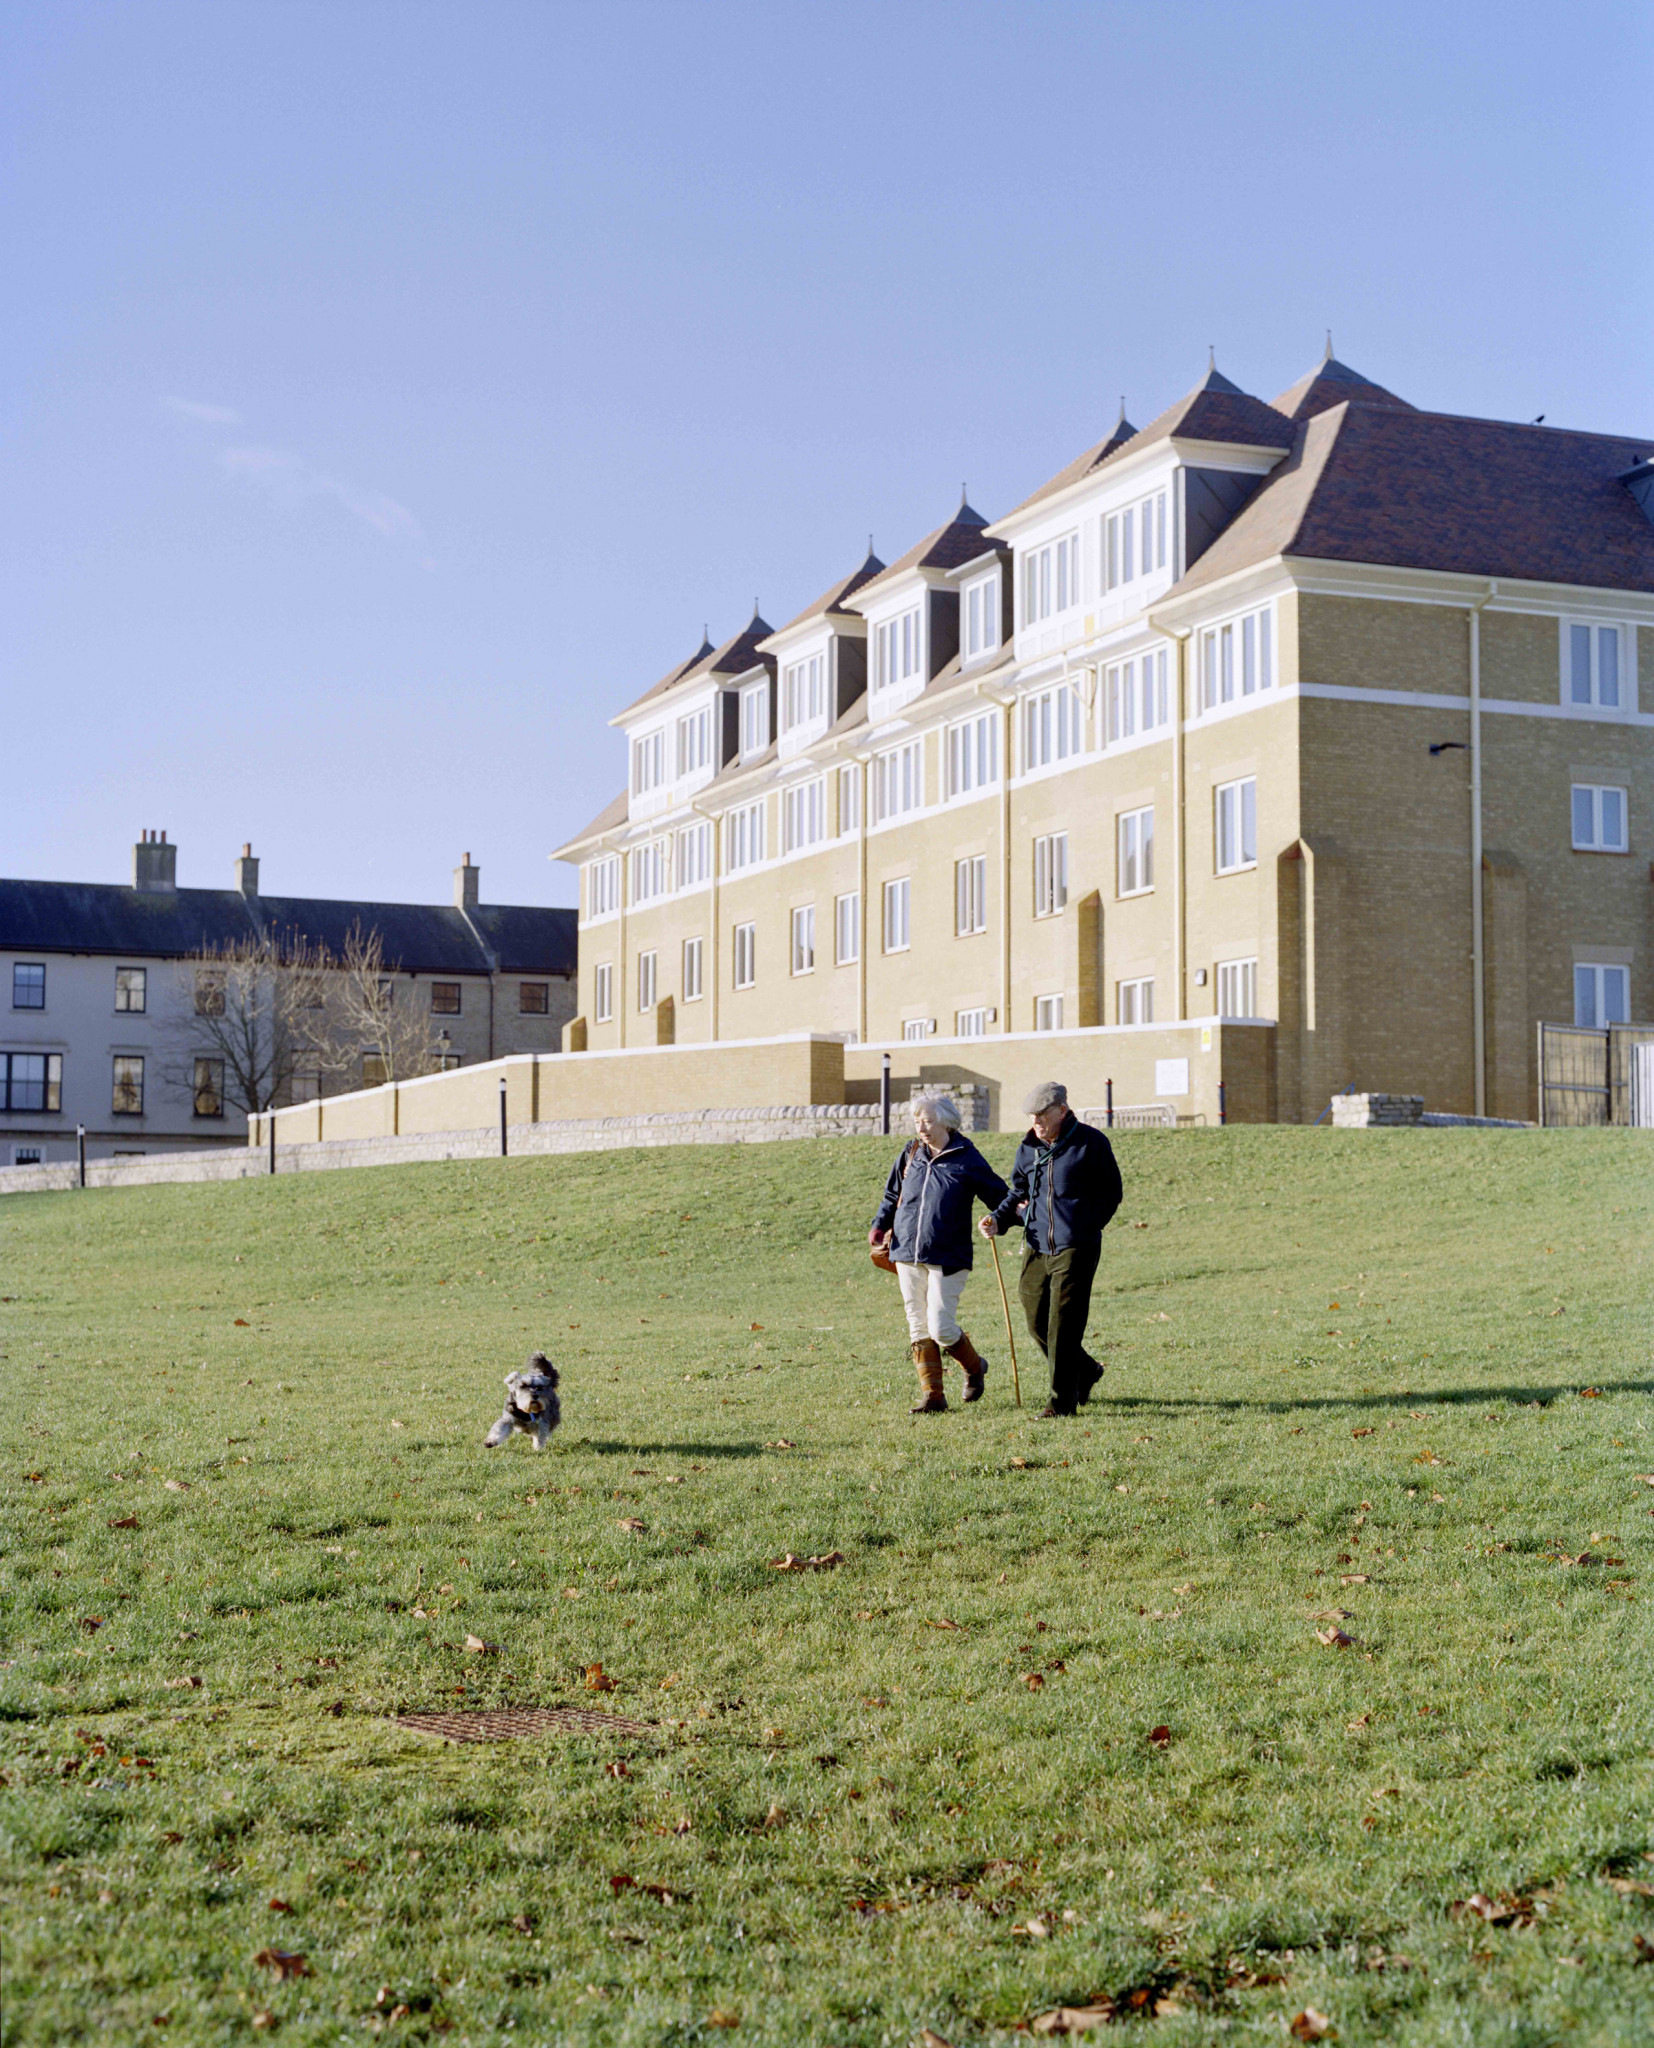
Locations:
(1646, 1478)
(241, 1323)
(1311, 2025)
(1335, 1639)
(596, 1681)
(943, 1622)
(286, 1962)
(522, 1923)
(1360, 1722)
(1034, 1681)
(928, 2038)
(176, 1485)
(280, 1906)
(1629, 1887)
(1072, 2019)
(1161, 1737)
(125, 1522)
(1363, 1432)
(1585, 1393)
(617, 1767)
(264, 2021)
(477, 1646)
(755, 1326)
(91, 1623)
(718, 2016)
(631, 1522)
(776, 1817)
(1354, 1578)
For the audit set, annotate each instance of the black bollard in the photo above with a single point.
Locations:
(80, 1149)
(1109, 1085)
(884, 1095)
(502, 1117)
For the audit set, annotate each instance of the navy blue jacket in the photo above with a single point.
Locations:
(1063, 1197)
(928, 1201)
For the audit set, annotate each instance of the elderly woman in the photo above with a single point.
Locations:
(924, 1226)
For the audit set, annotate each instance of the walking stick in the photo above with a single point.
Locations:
(1004, 1302)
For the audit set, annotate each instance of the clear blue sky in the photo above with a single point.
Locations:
(392, 390)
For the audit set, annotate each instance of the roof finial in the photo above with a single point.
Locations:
(964, 496)
(1120, 422)
(1211, 355)
(870, 544)
(1327, 358)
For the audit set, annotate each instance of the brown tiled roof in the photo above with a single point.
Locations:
(946, 548)
(1420, 490)
(613, 813)
(1331, 383)
(1082, 465)
(833, 600)
(734, 658)
(1217, 410)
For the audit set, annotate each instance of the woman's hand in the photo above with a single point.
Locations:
(988, 1227)
(878, 1239)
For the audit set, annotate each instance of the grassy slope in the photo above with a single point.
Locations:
(1321, 1348)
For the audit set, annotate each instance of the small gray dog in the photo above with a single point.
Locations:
(531, 1404)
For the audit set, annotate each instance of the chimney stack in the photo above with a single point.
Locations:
(466, 880)
(246, 871)
(155, 864)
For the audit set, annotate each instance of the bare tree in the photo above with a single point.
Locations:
(254, 1019)
(398, 1037)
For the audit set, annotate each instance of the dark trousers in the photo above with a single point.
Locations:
(1056, 1299)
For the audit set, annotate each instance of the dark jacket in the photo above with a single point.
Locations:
(1064, 1196)
(929, 1202)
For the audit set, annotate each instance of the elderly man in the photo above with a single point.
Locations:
(1064, 1188)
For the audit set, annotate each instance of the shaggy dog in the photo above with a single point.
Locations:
(531, 1404)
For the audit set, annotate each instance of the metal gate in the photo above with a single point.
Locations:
(1596, 1076)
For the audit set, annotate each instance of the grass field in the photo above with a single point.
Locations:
(1391, 1385)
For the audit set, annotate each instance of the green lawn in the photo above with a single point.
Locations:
(1393, 1384)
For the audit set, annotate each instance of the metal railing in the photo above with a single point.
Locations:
(1596, 1076)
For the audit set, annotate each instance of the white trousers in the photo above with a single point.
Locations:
(931, 1298)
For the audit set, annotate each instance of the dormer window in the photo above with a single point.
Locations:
(803, 691)
(981, 603)
(1050, 579)
(1134, 542)
(755, 719)
(897, 650)
(648, 762)
(695, 741)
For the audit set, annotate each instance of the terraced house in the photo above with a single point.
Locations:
(1315, 723)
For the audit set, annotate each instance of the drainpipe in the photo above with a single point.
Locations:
(717, 874)
(864, 937)
(1478, 949)
(620, 948)
(1181, 635)
(1008, 706)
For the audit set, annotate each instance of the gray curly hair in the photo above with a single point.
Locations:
(942, 1107)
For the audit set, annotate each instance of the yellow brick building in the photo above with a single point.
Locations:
(1324, 713)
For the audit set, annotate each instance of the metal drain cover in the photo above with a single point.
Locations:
(503, 1724)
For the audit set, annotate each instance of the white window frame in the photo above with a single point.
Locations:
(755, 719)
(1051, 729)
(1237, 990)
(972, 756)
(915, 1028)
(846, 929)
(971, 1023)
(898, 648)
(694, 963)
(1235, 825)
(1603, 808)
(1601, 986)
(603, 992)
(1236, 658)
(651, 870)
(693, 855)
(1048, 1013)
(744, 955)
(979, 617)
(694, 741)
(1134, 1000)
(804, 939)
(897, 922)
(803, 691)
(970, 895)
(603, 887)
(898, 781)
(1051, 579)
(744, 834)
(648, 978)
(849, 798)
(1050, 874)
(1586, 685)
(1134, 852)
(1134, 541)
(1135, 697)
(649, 761)
(804, 814)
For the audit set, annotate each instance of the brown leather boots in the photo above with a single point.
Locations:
(971, 1363)
(927, 1357)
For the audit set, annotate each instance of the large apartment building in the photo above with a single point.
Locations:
(1325, 711)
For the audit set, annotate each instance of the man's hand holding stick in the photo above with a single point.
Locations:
(990, 1230)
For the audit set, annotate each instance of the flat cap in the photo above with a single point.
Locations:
(1048, 1095)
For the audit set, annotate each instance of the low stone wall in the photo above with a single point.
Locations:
(1408, 1113)
(576, 1134)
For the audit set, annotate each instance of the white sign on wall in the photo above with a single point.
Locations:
(1171, 1077)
